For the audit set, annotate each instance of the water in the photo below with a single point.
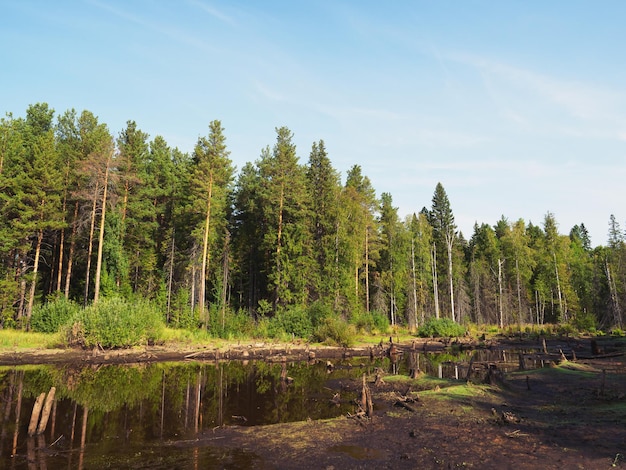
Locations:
(152, 415)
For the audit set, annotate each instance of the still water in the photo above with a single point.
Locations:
(150, 415)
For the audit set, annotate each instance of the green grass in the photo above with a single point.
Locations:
(18, 339)
(454, 392)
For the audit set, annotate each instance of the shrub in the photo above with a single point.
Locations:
(372, 322)
(440, 328)
(294, 321)
(116, 323)
(318, 312)
(584, 321)
(181, 315)
(234, 324)
(336, 331)
(51, 316)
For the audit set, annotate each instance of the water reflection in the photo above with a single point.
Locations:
(143, 415)
(112, 410)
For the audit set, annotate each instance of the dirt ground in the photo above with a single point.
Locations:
(571, 416)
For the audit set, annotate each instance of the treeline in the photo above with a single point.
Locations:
(86, 215)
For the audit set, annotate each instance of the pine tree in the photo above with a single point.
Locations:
(360, 204)
(323, 186)
(284, 204)
(444, 232)
(394, 261)
(210, 189)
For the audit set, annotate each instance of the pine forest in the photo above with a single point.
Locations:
(282, 243)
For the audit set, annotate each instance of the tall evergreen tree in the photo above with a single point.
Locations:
(285, 207)
(444, 231)
(210, 189)
(360, 206)
(135, 262)
(324, 186)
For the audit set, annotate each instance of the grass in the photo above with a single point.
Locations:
(18, 339)
(454, 392)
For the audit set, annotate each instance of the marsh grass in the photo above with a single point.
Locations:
(18, 339)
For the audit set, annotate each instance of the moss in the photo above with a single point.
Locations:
(455, 392)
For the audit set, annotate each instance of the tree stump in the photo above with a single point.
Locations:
(366, 399)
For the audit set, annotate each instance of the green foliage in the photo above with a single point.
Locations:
(584, 321)
(295, 321)
(440, 328)
(286, 324)
(51, 316)
(335, 331)
(115, 323)
(181, 315)
(372, 322)
(234, 325)
(318, 312)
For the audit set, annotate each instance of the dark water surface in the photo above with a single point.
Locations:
(150, 415)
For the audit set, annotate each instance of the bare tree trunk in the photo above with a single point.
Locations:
(225, 274)
(205, 249)
(18, 412)
(170, 278)
(435, 286)
(558, 287)
(83, 439)
(281, 204)
(519, 293)
(197, 403)
(500, 291)
(336, 279)
(62, 243)
(60, 262)
(22, 297)
(90, 246)
(449, 242)
(70, 256)
(617, 311)
(31, 296)
(414, 282)
(367, 270)
(96, 293)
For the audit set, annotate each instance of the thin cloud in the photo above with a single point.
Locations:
(580, 101)
(168, 31)
(214, 12)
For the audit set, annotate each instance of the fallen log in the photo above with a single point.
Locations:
(405, 405)
(34, 417)
(45, 415)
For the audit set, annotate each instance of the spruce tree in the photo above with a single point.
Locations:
(444, 232)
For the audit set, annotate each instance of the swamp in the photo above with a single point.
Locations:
(560, 404)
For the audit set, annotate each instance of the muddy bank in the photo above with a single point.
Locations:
(272, 352)
(566, 416)
(570, 348)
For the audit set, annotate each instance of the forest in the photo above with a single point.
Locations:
(86, 215)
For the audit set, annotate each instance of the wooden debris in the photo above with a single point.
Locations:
(405, 401)
(45, 415)
(379, 378)
(514, 434)
(366, 404)
(34, 417)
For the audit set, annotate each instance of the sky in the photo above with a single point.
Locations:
(518, 108)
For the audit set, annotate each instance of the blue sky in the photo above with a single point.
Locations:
(517, 107)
